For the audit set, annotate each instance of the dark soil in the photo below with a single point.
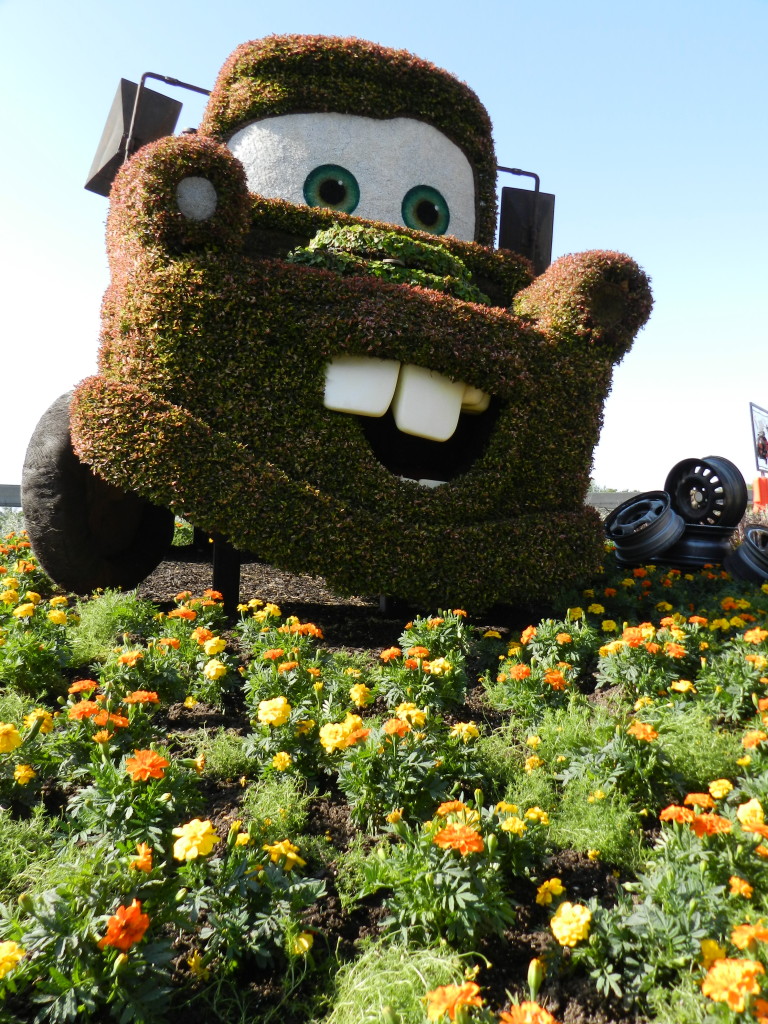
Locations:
(363, 624)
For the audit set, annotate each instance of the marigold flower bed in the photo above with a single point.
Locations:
(556, 820)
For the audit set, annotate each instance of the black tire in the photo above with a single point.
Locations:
(749, 561)
(698, 546)
(709, 491)
(85, 532)
(643, 527)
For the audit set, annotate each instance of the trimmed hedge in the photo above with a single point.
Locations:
(209, 398)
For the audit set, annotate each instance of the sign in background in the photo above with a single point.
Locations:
(760, 436)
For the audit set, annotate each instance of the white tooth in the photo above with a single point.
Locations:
(361, 385)
(474, 400)
(426, 403)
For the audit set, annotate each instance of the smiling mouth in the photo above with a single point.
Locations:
(420, 424)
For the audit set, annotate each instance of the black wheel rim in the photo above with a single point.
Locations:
(708, 491)
(643, 527)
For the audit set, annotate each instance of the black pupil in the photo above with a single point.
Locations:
(427, 212)
(332, 191)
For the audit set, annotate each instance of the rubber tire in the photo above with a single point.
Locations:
(749, 561)
(86, 533)
(643, 527)
(723, 504)
(698, 546)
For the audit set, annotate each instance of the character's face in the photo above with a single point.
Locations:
(399, 171)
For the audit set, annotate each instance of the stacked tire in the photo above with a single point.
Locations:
(689, 523)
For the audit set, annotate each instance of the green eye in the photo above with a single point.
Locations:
(332, 186)
(425, 209)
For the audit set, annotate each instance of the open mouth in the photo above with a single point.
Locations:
(420, 424)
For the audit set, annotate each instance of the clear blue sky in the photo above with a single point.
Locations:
(647, 121)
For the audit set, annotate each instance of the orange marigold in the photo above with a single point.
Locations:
(273, 654)
(83, 684)
(418, 652)
(755, 636)
(526, 1013)
(459, 837)
(141, 697)
(752, 737)
(287, 666)
(145, 765)
(745, 935)
(183, 613)
(710, 824)
(519, 671)
(143, 860)
(528, 634)
(201, 635)
(740, 887)
(390, 654)
(130, 658)
(450, 998)
(126, 927)
(84, 709)
(682, 815)
(731, 981)
(673, 650)
(642, 731)
(396, 727)
(699, 800)
(555, 679)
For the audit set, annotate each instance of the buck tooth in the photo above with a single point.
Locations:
(426, 403)
(474, 400)
(361, 385)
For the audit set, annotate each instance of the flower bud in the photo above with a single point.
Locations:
(26, 903)
(536, 971)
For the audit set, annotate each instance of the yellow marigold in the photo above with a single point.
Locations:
(514, 825)
(750, 814)
(24, 611)
(740, 887)
(545, 892)
(609, 626)
(732, 981)
(282, 760)
(214, 669)
(574, 613)
(10, 954)
(532, 763)
(59, 601)
(360, 694)
(45, 717)
(284, 852)
(534, 742)
(596, 609)
(10, 738)
(340, 735)
(642, 731)
(537, 814)
(274, 712)
(302, 944)
(410, 713)
(711, 951)
(57, 617)
(438, 667)
(448, 999)
(683, 686)
(395, 816)
(214, 646)
(570, 925)
(195, 839)
(23, 773)
(465, 731)
(720, 788)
